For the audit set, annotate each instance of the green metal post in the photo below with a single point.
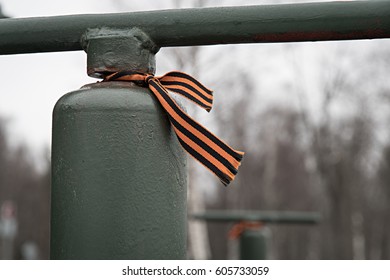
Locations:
(119, 174)
(253, 241)
(253, 245)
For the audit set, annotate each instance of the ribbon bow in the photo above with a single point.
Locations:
(200, 143)
(238, 229)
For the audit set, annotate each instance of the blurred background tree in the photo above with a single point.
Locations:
(29, 189)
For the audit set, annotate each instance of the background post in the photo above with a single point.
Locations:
(253, 244)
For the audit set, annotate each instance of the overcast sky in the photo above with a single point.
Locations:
(32, 83)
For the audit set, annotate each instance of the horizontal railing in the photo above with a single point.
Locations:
(207, 26)
(282, 217)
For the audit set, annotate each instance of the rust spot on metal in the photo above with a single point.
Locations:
(321, 36)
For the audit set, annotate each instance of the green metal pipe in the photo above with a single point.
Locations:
(119, 174)
(207, 26)
(119, 177)
(291, 217)
(253, 242)
(253, 245)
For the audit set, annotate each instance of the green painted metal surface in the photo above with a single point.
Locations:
(111, 50)
(342, 20)
(119, 177)
(285, 217)
(253, 245)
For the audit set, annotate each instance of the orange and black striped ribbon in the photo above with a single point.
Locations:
(238, 229)
(199, 142)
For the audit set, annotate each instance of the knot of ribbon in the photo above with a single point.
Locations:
(238, 229)
(199, 142)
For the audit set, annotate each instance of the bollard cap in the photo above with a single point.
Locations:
(111, 50)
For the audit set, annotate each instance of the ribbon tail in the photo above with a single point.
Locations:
(200, 143)
(188, 87)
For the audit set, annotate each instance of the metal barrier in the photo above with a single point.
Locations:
(118, 172)
(206, 26)
(252, 235)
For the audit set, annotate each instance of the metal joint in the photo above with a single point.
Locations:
(112, 50)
